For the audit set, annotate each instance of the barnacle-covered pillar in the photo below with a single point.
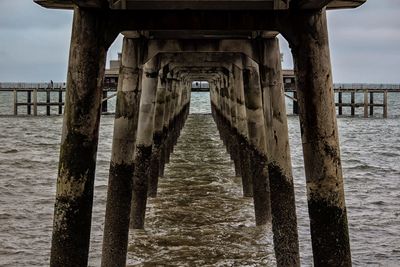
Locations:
(283, 207)
(75, 182)
(116, 226)
(308, 37)
(157, 136)
(257, 143)
(144, 143)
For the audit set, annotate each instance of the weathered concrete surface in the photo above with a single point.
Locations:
(144, 143)
(157, 137)
(257, 143)
(283, 208)
(308, 37)
(119, 195)
(74, 197)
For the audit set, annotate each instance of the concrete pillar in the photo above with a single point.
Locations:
(257, 140)
(74, 196)
(234, 131)
(283, 208)
(144, 143)
(119, 195)
(325, 192)
(340, 100)
(166, 116)
(244, 155)
(157, 136)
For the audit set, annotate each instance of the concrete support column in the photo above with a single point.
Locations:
(283, 208)
(308, 36)
(75, 182)
(234, 131)
(244, 154)
(144, 143)
(257, 140)
(157, 136)
(166, 117)
(116, 227)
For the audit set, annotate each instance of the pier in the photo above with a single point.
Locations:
(33, 92)
(367, 91)
(233, 46)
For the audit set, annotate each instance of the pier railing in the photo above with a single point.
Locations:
(368, 91)
(32, 91)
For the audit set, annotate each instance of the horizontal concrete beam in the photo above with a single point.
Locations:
(339, 4)
(200, 4)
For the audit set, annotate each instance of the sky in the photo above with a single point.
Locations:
(364, 42)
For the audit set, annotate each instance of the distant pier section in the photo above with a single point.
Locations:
(351, 96)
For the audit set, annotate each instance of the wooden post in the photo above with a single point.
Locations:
(353, 97)
(365, 103)
(340, 103)
(104, 103)
(385, 104)
(35, 92)
(75, 182)
(308, 35)
(371, 104)
(144, 143)
(257, 140)
(60, 101)
(48, 102)
(283, 207)
(28, 102)
(119, 194)
(295, 104)
(15, 102)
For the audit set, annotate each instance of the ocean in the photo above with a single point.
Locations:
(199, 217)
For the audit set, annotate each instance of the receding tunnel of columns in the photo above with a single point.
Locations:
(248, 107)
(239, 113)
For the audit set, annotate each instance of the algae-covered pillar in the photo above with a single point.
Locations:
(283, 208)
(116, 226)
(257, 142)
(308, 37)
(75, 182)
(144, 143)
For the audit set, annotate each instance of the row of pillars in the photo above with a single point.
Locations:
(248, 108)
(152, 106)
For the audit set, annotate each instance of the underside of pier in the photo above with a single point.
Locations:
(231, 44)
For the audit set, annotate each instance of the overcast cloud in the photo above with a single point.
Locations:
(365, 42)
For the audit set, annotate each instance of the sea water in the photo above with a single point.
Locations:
(199, 217)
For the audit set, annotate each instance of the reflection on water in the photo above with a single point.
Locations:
(199, 218)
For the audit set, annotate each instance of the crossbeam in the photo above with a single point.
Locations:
(201, 4)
